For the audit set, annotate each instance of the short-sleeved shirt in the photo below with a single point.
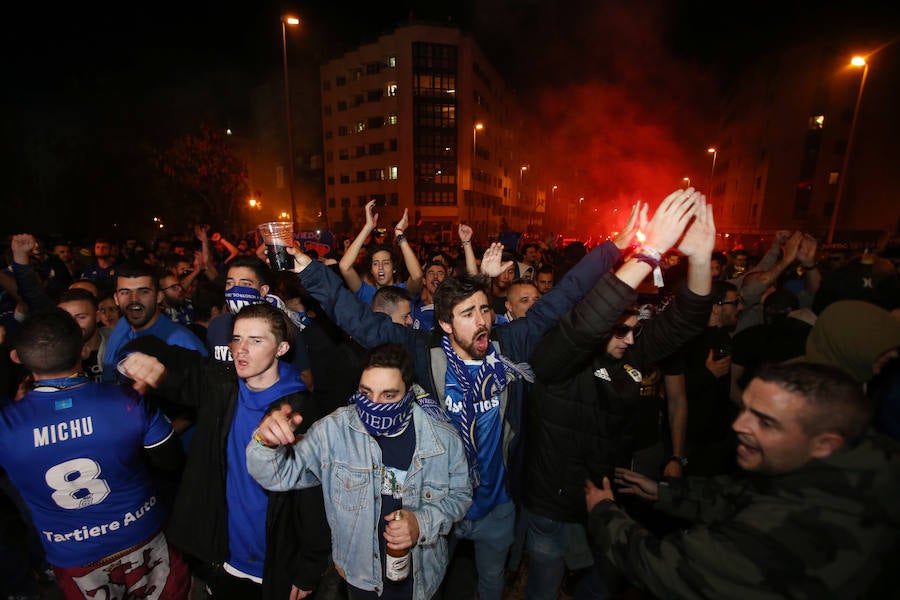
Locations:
(76, 457)
(367, 291)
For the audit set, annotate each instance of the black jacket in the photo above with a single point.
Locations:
(580, 412)
(298, 540)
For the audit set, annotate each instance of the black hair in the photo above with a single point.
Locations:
(836, 403)
(720, 289)
(386, 298)
(454, 290)
(206, 296)
(391, 356)
(134, 269)
(49, 342)
(260, 269)
(78, 294)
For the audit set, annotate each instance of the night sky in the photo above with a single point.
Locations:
(86, 81)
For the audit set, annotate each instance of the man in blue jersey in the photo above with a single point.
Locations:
(78, 452)
(138, 296)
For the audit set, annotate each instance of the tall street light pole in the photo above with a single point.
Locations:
(478, 126)
(285, 21)
(858, 61)
(712, 172)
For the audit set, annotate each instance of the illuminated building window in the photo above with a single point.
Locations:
(391, 89)
(816, 122)
(392, 172)
(392, 62)
(360, 126)
(376, 174)
(833, 178)
(392, 119)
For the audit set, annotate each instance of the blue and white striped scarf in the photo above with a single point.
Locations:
(496, 372)
(391, 418)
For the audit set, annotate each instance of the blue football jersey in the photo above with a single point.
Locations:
(76, 457)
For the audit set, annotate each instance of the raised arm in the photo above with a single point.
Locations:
(232, 249)
(465, 240)
(414, 283)
(343, 307)
(28, 284)
(572, 343)
(348, 272)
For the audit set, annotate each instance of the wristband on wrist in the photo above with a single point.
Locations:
(651, 257)
(679, 459)
(258, 439)
(466, 243)
(399, 237)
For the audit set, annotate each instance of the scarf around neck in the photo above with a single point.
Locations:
(496, 372)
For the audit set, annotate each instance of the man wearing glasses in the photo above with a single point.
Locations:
(582, 412)
(175, 303)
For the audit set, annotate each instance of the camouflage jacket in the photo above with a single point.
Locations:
(828, 530)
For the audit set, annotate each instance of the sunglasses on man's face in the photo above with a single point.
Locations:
(620, 331)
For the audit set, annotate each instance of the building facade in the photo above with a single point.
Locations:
(420, 120)
(784, 142)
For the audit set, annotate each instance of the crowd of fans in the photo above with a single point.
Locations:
(664, 417)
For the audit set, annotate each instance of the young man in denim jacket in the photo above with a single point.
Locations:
(391, 449)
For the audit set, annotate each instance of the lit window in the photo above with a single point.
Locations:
(392, 62)
(832, 178)
(392, 89)
(816, 121)
(392, 172)
(392, 119)
(360, 126)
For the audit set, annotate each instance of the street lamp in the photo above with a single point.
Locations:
(712, 171)
(687, 181)
(285, 21)
(478, 126)
(857, 61)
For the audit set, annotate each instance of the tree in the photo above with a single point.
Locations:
(206, 179)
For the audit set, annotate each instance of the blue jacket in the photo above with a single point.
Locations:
(516, 339)
(338, 453)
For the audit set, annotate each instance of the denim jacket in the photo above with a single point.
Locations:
(338, 453)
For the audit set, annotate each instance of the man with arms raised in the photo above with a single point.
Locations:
(814, 514)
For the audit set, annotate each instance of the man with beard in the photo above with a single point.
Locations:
(82, 305)
(813, 514)
(175, 304)
(138, 296)
(478, 372)
(103, 269)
